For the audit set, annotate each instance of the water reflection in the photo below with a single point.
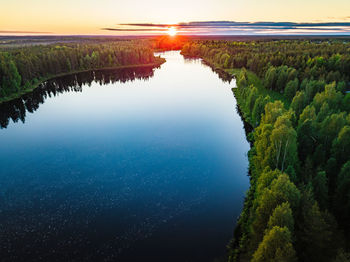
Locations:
(223, 75)
(17, 108)
(136, 171)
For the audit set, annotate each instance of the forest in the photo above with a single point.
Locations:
(24, 68)
(294, 95)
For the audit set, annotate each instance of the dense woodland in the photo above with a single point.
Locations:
(293, 94)
(24, 68)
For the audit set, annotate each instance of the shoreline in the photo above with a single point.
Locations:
(159, 61)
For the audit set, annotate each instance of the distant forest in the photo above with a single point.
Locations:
(293, 93)
(24, 68)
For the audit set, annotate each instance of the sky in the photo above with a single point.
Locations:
(94, 16)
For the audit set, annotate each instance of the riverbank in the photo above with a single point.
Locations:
(159, 61)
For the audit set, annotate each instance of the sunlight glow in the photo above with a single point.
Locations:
(172, 31)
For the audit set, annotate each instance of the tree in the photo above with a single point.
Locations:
(281, 190)
(253, 96)
(341, 86)
(323, 112)
(330, 95)
(309, 112)
(284, 143)
(282, 216)
(320, 185)
(311, 88)
(266, 178)
(342, 256)
(316, 231)
(262, 143)
(271, 77)
(346, 102)
(330, 127)
(272, 111)
(341, 146)
(225, 60)
(306, 137)
(298, 102)
(243, 78)
(259, 108)
(281, 78)
(291, 88)
(276, 246)
(11, 79)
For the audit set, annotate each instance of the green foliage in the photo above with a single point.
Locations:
(282, 216)
(21, 66)
(330, 95)
(330, 127)
(271, 78)
(299, 102)
(291, 88)
(283, 143)
(266, 178)
(242, 79)
(306, 137)
(317, 231)
(253, 96)
(10, 79)
(259, 109)
(281, 190)
(342, 256)
(320, 185)
(309, 113)
(273, 110)
(346, 103)
(276, 246)
(341, 145)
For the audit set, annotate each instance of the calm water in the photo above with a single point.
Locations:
(126, 165)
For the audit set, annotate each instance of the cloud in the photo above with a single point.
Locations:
(132, 30)
(149, 25)
(232, 27)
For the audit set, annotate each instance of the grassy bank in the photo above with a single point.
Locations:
(253, 79)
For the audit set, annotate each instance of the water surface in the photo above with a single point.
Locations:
(126, 165)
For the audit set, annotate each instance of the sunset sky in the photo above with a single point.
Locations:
(91, 16)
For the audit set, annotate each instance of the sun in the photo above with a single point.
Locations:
(172, 31)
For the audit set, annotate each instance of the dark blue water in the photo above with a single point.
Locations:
(127, 165)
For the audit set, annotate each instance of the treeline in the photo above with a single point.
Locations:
(327, 60)
(23, 68)
(167, 43)
(298, 205)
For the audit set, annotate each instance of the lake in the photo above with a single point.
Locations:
(146, 164)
